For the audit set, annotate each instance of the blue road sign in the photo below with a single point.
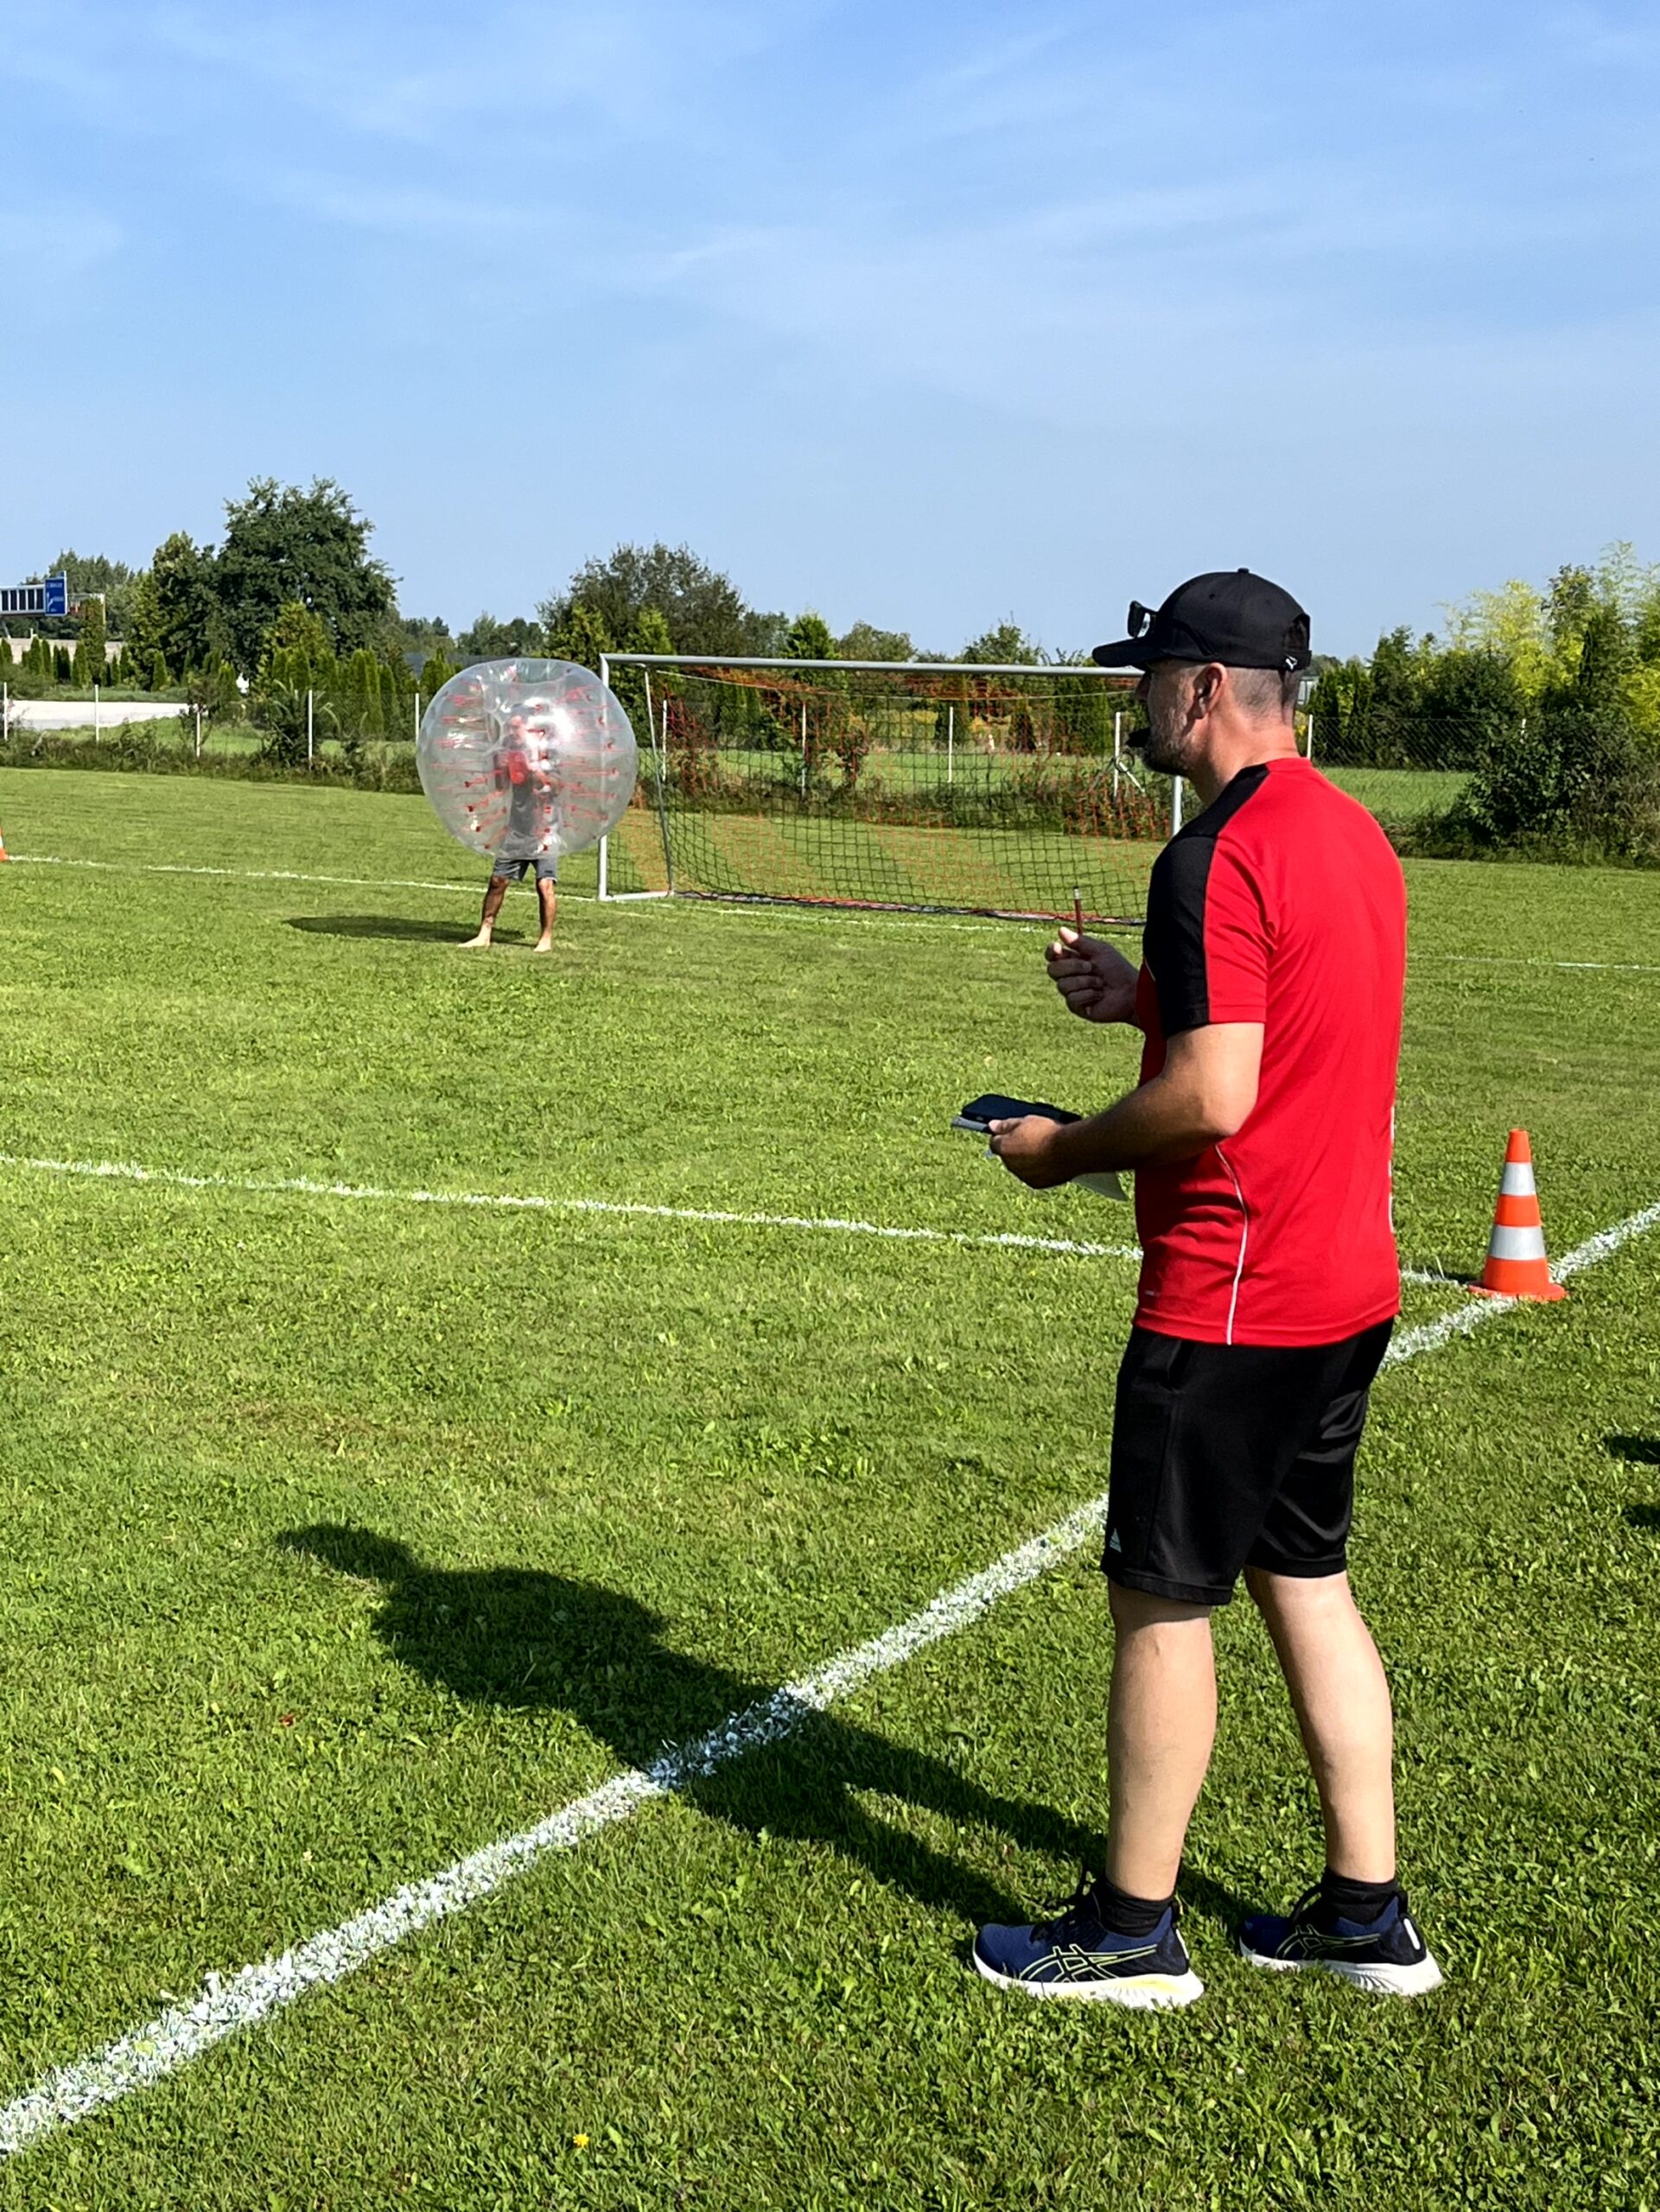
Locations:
(51, 597)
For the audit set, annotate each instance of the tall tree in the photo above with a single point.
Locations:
(435, 673)
(650, 632)
(488, 640)
(284, 545)
(1573, 600)
(1007, 642)
(91, 659)
(421, 633)
(581, 634)
(173, 609)
(297, 658)
(809, 638)
(704, 610)
(864, 641)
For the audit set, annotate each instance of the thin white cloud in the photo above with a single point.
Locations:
(509, 72)
(408, 211)
(39, 263)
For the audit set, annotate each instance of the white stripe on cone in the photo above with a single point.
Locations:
(1516, 1243)
(1517, 1182)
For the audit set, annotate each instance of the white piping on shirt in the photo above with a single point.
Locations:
(1244, 1233)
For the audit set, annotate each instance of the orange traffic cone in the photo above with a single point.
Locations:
(1516, 1266)
(4, 855)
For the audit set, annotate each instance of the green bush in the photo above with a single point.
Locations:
(1574, 778)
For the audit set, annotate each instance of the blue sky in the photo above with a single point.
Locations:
(924, 313)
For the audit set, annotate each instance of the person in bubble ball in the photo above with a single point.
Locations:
(531, 793)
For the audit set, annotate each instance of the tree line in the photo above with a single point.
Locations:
(1546, 697)
(291, 600)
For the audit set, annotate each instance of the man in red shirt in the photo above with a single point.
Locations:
(1270, 998)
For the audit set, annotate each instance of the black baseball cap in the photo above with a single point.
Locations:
(1229, 615)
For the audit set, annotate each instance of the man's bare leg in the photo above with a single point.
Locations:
(1160, 1725)
(547, 894)
(495, 892)
(1337, 1684)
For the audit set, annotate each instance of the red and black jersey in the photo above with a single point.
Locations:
(1283, 904)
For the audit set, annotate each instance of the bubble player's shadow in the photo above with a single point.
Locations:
(528, 1640)
(394, 925)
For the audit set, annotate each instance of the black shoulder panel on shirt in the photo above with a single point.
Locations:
(1174, 941)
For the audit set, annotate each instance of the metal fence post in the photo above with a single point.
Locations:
(310, 730)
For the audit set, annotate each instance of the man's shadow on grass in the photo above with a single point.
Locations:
(530, 1640)
(393, 925)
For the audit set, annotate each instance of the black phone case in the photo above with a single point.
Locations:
(993, 1106)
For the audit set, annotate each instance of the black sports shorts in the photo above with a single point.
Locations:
(1230, 1456)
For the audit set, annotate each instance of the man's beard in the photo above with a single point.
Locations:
(1168, 746)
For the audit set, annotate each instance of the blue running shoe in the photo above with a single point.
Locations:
(1078, 1955)
(1388, 1957)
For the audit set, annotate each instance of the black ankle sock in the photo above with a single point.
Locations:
(1360, 1901)
(1125, 1915)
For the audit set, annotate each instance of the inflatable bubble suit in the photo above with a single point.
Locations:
(526, 759)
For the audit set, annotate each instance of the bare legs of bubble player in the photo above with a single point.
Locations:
(547, 894)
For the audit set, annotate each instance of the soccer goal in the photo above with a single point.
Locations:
(905, 786)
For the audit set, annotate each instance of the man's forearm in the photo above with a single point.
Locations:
(1159, 1120)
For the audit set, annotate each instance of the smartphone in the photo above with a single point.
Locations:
(978, 1116)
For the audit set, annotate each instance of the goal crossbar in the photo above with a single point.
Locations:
(715, 661)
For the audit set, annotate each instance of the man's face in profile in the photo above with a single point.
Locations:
(1166, 690)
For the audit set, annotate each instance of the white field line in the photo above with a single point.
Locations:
(125, 1171)
(226, 2004)
(1528, 960)
(739, 910)
(250, 874)
(743, 910)
(1461, 1319)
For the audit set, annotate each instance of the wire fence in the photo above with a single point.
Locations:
(993, 792)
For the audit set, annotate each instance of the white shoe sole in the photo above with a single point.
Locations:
(1147, 1992)
(1379, 1981)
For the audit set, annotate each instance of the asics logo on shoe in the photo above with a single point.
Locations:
(1072, 1962)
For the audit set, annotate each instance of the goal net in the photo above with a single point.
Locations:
(933, 786)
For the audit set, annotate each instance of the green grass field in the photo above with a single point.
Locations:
(1400, 795)
(348, 1534)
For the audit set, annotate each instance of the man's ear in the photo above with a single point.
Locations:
(1208, 684)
